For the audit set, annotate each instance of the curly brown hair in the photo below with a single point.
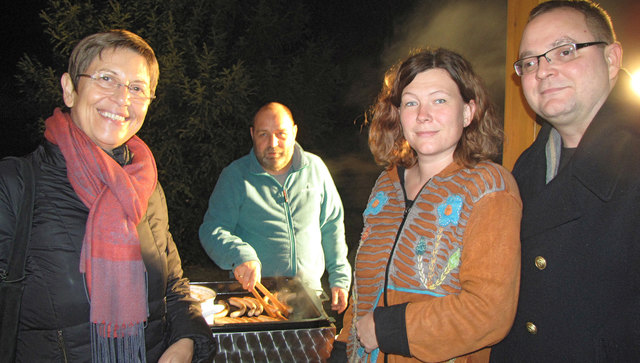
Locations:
(481, 140)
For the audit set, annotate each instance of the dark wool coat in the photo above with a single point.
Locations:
(54, 320)
(580, 280)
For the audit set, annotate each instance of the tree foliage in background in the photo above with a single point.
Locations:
(219, 61)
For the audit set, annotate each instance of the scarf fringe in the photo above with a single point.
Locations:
(126, 347)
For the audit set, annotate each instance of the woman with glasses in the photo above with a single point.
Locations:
(437, 269)
(103, 277)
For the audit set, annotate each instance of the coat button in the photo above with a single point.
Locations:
(532, 328)
(541, 263)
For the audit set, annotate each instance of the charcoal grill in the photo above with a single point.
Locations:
(307, 336)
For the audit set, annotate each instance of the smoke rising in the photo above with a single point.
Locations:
(475, 29)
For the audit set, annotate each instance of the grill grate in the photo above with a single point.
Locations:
(294, 345)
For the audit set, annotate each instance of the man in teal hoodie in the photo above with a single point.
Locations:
(277, 212)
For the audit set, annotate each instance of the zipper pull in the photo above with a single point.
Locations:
(407, 208)
(284, 192)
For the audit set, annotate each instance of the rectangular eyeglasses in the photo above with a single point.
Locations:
(558, 55)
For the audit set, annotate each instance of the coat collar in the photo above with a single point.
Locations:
(596, 165)
(597, 161)
(449, 170)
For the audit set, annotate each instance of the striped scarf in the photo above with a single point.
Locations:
(111, 261)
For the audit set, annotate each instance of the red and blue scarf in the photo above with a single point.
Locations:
(111, 260)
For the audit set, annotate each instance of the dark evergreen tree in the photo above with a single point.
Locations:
(219, 61)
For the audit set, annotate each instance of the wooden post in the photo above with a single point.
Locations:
(520, 127)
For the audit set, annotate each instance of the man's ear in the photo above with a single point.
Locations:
(613, 55)
(68, 90)
(294, 129)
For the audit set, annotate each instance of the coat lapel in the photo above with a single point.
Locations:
(553, 205)
(595, 168)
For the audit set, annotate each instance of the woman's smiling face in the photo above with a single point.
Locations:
(433, 114)
(108, 117)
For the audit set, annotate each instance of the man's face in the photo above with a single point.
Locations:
(568, 95)
(274, 138)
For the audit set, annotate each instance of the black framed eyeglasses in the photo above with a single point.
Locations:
(558, 55)
(138, 91)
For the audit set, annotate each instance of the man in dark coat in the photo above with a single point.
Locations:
(580, 187)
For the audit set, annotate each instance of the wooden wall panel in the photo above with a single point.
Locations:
(520, 128)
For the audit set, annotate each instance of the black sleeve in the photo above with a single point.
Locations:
(183, 312)
(391, 329)
(338, 353)
(11, 192)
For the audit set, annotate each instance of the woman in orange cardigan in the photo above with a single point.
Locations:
(437, 269)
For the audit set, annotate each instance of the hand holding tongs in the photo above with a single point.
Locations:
(278, 310)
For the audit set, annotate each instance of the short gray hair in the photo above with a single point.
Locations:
(93, 45)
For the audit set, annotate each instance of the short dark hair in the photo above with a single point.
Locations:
(480, 140)
(597, 19)
(93, 45)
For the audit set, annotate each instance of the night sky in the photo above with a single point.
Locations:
(480, 37)
(474, 28)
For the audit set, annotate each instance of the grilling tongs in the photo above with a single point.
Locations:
(278, 310)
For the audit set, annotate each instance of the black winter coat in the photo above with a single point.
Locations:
(580, 281)
(54, 320)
